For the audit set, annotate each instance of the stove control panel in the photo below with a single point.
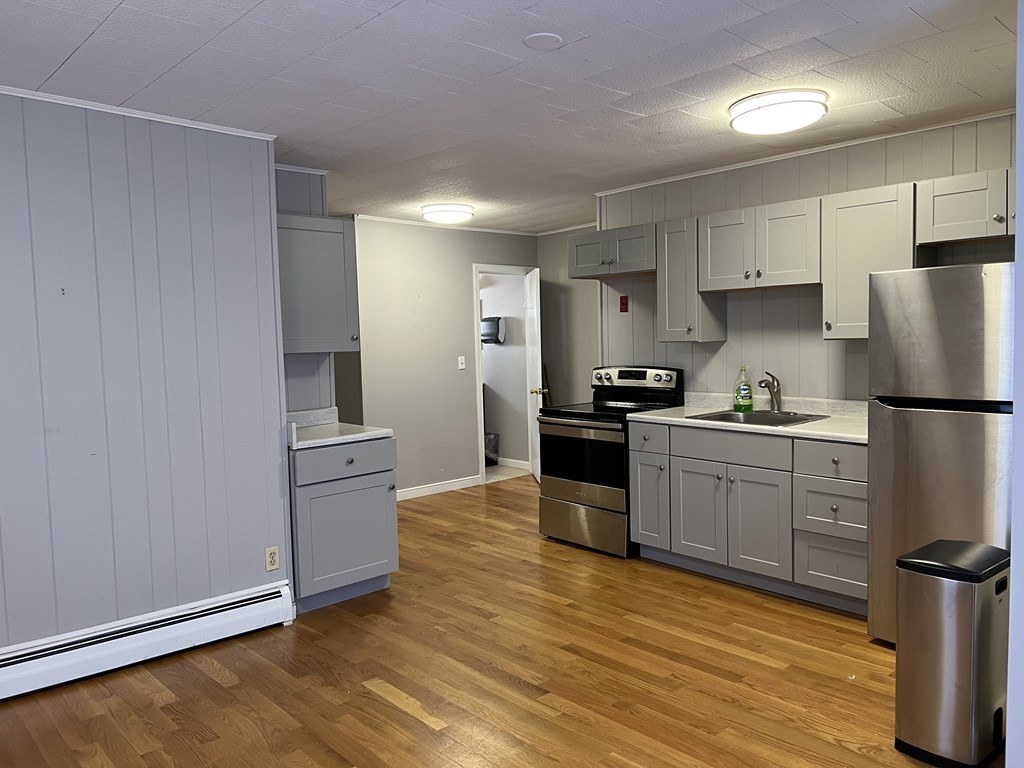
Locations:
(618, 376)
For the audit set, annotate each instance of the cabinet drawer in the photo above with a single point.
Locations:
(731, 447)
(333, 462)
(830, 563)
(831, 507)
(652, 438)
(840, 460)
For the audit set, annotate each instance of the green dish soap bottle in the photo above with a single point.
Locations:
(743, 394)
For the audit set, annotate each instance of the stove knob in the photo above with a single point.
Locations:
(597, 376)
(657, 377)
(607, 377)
(668, 377)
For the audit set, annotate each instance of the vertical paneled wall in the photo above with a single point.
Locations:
(140, 395)
(780, 328)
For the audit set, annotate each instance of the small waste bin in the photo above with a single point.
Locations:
(490, 449)
(953, 625)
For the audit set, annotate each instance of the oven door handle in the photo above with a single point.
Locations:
(585, 430)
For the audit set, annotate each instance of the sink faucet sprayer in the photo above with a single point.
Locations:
(774, 388)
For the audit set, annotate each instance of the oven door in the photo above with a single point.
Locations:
(583, 462)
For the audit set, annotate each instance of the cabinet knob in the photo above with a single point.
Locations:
(732, 479)
(835, 460)
(661, 467)
(646, 438)
(391, 487)
(746, 275)
(828, 325)
(689, 329)
(604, 261)
(355, 337)
(998, 218)
(835, 507)
(349, 461)
(718, 476)
(758, 273)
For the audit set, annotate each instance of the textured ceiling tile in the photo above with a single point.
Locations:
(654, 102)
(973, 37)
(421, 25)
(676, 126)
(527, 110)
(1001, 56)
(151, 30)
(879, 32)
(931, 101)
(199, 86)
(792, 60)
(637, 78)
(951, 14)
(290, 94)
(951, 69)
(343, 145)
(117, 54)
(868, 112)
(227, 65)
(505, 33)
(601, 116)
(416, 82)
(862, 10)
(580, 96)
(554, 69)
(792, 24)
(466, 61)
(766, 6)
(592, 16)
(482, 124)
(214, 16)
(309, 156)
(684, 22)
(164, 101)
(377, 132)
(96, 9)
(373, 100)
(20, 73)
(500, 89)
(730, 81)
(94, 77)
(621, 44)
(86, 93)
(245, 112)
(709, 52)
(312, 18)
(998, 85)
(42, 34)
(327, 75)
(362, 50)
(249, 37)
(319, 122)
(487, 11)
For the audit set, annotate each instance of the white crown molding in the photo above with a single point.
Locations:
(37, 96)
(314, 171)
(589, 225)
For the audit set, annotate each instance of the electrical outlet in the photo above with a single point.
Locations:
(273, 559)
(462, 362)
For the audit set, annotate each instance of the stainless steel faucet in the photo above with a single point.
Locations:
(774, 388)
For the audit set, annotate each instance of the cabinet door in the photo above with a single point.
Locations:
(319, 289)
(648, 499)
(630, 249)
(761, 521)
(1011, 201)
(867, 230)
(788, 243)
(586, 255)
(683, 313)
(962, 207)
(725, 251)
(346, 531)
(698, 509)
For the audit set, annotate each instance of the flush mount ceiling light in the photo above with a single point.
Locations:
(447, 213)
(778, 111)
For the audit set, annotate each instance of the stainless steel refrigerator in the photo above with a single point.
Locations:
(940, 375)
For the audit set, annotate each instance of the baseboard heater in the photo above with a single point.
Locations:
(62, 658)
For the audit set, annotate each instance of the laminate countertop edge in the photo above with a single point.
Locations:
(321, 435)
(844, 428)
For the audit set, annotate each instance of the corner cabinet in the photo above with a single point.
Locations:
(762, 246)
(965, 207)
(864, 231)
(683, 313)
(319, 287)
(612, 252)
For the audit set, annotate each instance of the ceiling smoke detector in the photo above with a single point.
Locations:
(543, 41)
(778, 111)
(447, 213)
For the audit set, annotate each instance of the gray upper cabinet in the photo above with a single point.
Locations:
(301, 192)
(963, 207)
(864, 231)
(776, 244)
(683, 313)
(319, 289)
(612, 252)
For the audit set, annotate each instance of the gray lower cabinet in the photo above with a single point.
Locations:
(319, 288)
(760, 521)
(648, 499)
(345, 530)
(699, 512)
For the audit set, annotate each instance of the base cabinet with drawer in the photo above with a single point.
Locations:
(344, 514)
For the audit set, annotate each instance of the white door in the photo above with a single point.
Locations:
(534, 379)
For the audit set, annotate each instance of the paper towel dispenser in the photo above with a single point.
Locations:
(492, 330)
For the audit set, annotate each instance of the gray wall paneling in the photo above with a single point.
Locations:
(303, 193)
(139, 289)
(309, 380)
(780, 328)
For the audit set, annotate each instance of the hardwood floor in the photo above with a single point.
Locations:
(494, 647)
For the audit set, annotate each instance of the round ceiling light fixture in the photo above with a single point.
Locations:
(447, 213)
(778, 111)
(543, 41)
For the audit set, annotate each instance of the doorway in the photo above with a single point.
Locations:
(508, 370)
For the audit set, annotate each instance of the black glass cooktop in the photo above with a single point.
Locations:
(596, 411)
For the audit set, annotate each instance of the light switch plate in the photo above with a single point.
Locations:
(462, 362)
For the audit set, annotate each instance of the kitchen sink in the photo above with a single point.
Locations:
(759, 418)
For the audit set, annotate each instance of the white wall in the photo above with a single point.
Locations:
(416, 316)
(504, 365)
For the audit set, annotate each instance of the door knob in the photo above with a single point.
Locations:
(349, 461)
(646, 438)
(538, 391)
(835, 460)
(661, 467)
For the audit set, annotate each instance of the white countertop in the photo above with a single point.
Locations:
(847, 421)
(320, 435)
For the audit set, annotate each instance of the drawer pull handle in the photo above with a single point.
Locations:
(835, 460)
(718, 476)
(835, 507)
(349, 461)
(391, 487)
(646, 438)
(661, 467)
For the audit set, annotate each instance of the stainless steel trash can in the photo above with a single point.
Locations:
(953, 625)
